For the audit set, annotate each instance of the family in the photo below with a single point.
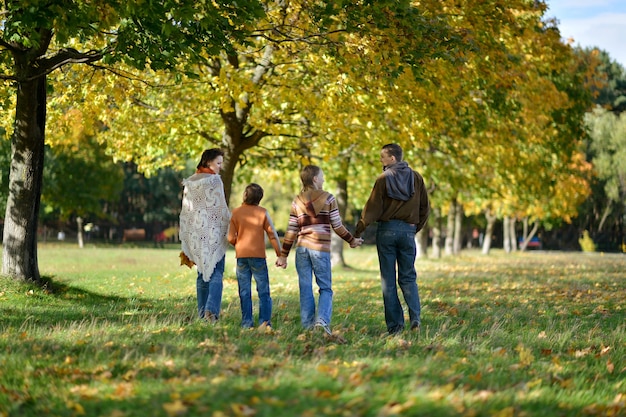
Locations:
(398, 203)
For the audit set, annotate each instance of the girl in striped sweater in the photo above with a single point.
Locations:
(313, 213)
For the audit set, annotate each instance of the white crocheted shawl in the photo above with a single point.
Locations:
(204, 221)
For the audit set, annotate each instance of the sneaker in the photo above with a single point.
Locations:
(415, 326)
(324, 326)
(210, 318)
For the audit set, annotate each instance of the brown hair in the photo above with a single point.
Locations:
(306, 176)
(209, 155)
(253, 194)
(393, 149)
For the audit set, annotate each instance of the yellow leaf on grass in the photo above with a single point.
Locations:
(505, 412)
(76, 407)
(193, 396)
(526, 357)
(175, 409)
(242, 410)
(609, 366)
(327, 369)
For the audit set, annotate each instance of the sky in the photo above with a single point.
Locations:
(599, 23)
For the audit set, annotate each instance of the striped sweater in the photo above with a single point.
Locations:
(313, 214)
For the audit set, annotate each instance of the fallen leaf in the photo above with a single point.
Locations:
(175, 409)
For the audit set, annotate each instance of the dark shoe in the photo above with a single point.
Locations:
(395, 330)
(415, 326)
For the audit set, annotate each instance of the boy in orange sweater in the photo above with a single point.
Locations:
(248, 225)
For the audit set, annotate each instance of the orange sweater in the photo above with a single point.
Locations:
(248, 226)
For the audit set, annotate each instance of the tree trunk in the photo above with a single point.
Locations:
(605, 215)
(436, 244)
(528, 235)
(19, 253)
(491, 221)
(337, 243)
(512, 234)
(506, 230)
(458, 228)
(449, 248)
(421, 242)
(79, 227)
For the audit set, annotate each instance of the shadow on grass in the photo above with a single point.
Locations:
(53, 302)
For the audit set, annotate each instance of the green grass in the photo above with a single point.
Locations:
(114, 333)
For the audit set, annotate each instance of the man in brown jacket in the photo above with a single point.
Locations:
(399, 203)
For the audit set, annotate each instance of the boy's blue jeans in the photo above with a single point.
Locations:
(210, 293)
(311, 262)
(257, 268)
(395, 242)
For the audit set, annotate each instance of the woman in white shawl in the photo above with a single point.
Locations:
(204, 221)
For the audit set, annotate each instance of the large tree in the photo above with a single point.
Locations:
(37, 38)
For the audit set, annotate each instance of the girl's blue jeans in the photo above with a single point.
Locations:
(311, 262)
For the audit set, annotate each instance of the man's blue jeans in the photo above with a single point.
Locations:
(309, 262)
(395, 242)
(257, 268)
(210, 293)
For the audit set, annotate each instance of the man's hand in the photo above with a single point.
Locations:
(356, 242)
(281, 262)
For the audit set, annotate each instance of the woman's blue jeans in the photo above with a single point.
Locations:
(257, 268)
(210, 293)
(395, 242)
(311, 262)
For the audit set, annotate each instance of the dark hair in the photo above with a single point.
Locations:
(393, 149)
(208, 156)
(307, 174)
(253, 194)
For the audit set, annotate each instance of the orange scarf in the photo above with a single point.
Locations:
(205, 170)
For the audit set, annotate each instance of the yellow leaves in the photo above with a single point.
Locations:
(394, 408)
(331, 370)
(75, 407)
(526, 357)
(175, 408)
(505, 412)
(242, 410)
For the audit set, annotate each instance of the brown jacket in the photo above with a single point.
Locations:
(380, 207)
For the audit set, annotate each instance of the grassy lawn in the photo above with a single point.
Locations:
(115, 334)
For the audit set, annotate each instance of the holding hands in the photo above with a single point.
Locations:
(356, 242)
(281, 262)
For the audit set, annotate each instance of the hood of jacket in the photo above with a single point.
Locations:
(312, 201)
(400, 181)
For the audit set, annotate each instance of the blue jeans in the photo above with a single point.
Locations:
(395, 242)
(257, 268)
(210, 293)
(309, 262)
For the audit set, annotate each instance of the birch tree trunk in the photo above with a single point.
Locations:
(506, 230)
(79, 227)
(512, 234)
(458, 228)
(337, 243)
(436, 243)
(421, 242)
(449, 246)
(491, 221)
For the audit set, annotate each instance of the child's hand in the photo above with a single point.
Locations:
(356, 242)
(281, 262)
